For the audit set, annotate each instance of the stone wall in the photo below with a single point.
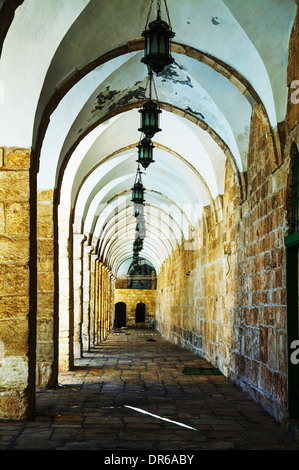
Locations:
(226, 299)
(131, 297)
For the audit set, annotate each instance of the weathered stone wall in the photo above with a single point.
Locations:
(17, 347)
(131, 297)
(231, 307)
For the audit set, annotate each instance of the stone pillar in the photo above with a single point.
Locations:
(78, 240)
(66, 326)
(46, 348)
(86, 325)
(92, 298)
(17, 286)
(97, 300)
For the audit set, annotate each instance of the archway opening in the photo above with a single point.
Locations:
(120, 315)
(140, 313)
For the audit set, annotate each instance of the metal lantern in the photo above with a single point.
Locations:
(157, 43)
(138, 244)
(145, 152)
(141, 230)
(138, 211)
(138, 189)
(150, 114)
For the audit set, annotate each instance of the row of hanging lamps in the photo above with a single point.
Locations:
(138, 200)
(157, 35)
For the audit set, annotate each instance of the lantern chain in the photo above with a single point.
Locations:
(149, 14)
(167, 12)
(159, 10)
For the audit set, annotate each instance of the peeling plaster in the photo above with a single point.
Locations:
(216, 21)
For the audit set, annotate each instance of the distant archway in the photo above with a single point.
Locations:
(120, 314)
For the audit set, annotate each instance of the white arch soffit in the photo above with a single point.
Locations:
(181, 199)
(72, 166)
(150, 213)
(121, 238)
(62, 120)
(118, 229)
(119, 133)
(162, 176)
(61, 40)
(30, 44)
(210, 25)
(159, 202)
(176, 86)
(154, 199)
(151, 250)
(207, 157)
(274, 16)
(100, 181)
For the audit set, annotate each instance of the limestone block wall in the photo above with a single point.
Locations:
(231, 307)
(131, 297)
(226, 300)
(17, 324)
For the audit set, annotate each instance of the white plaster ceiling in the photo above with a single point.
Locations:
(71, 82)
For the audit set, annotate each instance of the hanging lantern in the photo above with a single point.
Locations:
(138, 244)
(138, 211)
(157, 42)
(145, 152)
(141, 230)
(135, 259)
(150, 114)
(138, 189)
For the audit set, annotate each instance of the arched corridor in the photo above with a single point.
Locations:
(198, 246)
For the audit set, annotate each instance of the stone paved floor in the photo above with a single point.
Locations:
(99, 405)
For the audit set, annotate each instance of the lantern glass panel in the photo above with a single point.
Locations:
(155, 43)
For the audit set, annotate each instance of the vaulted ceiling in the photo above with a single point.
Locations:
(71, 84)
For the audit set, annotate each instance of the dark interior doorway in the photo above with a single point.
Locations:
(140, 313)
(120, 314)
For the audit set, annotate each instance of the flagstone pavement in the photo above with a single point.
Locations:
(130, 393)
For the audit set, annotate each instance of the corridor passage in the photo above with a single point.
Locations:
(131, 394)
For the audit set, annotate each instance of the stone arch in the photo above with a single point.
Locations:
(135, 45)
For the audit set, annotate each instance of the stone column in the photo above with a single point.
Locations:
(17, 287)
(86, 325)
(97, 300)
(78, 240)
(66, 326)
(101, 302)
(92, 298)
(46, 348)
